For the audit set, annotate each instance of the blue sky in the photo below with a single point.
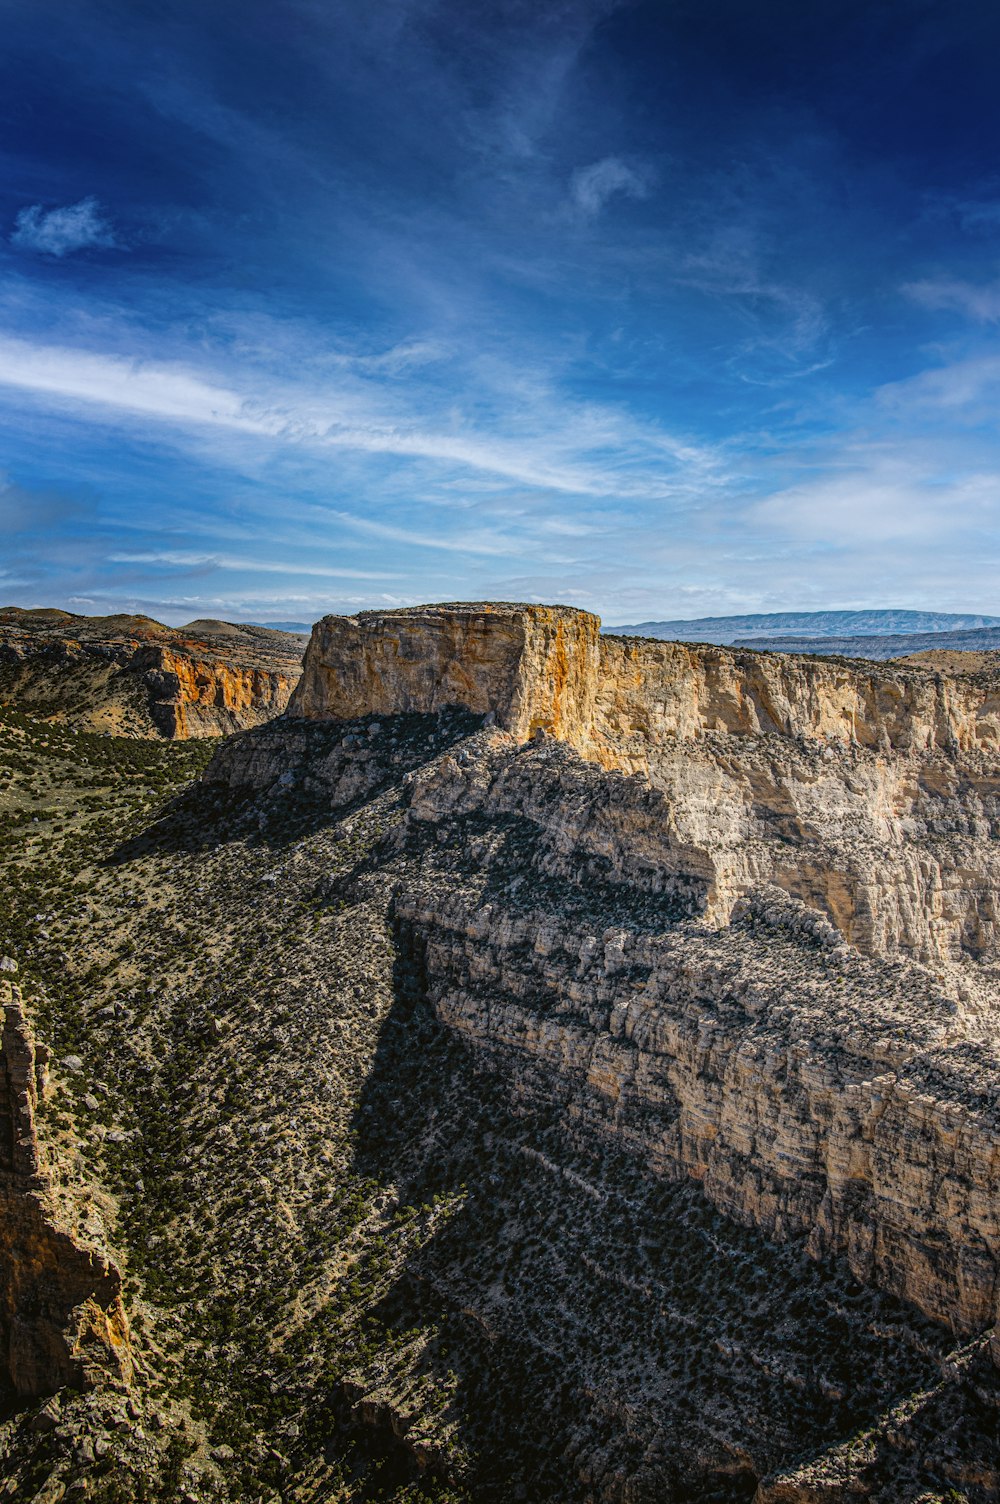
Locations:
(658, 309)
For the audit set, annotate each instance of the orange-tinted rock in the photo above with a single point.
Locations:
(611, 697)
(132, 676)
(533, 667)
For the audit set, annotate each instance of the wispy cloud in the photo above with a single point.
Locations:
(966, 390)
(591, 187)
(979, 301)
(580, 449)
(292, 568)
(490, 542)
(59, 232)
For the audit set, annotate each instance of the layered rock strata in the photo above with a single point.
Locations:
(532, 667)
(619, 699)
(838, 1103)
(869, 791)
(62, 1321)
(858, 1110)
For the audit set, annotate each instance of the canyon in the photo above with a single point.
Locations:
(538, 1065)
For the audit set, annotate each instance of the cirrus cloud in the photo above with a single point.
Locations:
(592, 186)
(59, 232)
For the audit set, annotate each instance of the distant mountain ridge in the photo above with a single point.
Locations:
(807, 625)
(930, 648)
(302, 628)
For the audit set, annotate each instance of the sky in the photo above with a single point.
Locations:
(660, 309)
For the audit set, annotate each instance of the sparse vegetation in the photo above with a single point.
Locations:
(357, 1266)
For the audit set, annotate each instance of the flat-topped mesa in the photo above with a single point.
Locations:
(615, 698)
(531, 666)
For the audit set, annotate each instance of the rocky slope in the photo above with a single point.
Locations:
(130, 675)
(537, 1067)
(755, 771)
(62, 1321)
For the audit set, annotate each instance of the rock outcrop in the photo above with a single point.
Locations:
(869, 791)
(62, 1321)
(132, 676)
(469, 1135)
(533, 667)
(618, 699)
(842, 1105)
(851, 1104)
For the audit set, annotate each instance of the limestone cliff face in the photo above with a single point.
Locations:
(531, 666)
(880, 1147)
(617, 698)
(845, 1094)
(655, 690)
(810, 1090)
(194, 694)
(61, 1315)
(131, 676)
(868, 790)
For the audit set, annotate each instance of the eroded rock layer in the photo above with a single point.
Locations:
(529, 666)
(129, 675)
(586, 1094)
(835, 1102)
(869, 791)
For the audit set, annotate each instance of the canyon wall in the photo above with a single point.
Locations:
(811, 1090)
(530, 666)
(843, 1091)
(196, 694)
(617, 699)
(868, 790)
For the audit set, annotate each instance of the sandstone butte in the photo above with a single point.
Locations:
(858, 799)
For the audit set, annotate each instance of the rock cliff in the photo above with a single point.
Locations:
(532, 667)
(618, 699)
(869, 791)
(844, 1105)
(859, 1111)
(133, 676)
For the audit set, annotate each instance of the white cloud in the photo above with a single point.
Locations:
(186, 560)
(490, 542)
(967, 389)
(889, 500)
(591, 187)
(578, 449)
(979, 301)
(60, 232)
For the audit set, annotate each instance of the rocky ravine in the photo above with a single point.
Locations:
(581, 1092)
(132, 676)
